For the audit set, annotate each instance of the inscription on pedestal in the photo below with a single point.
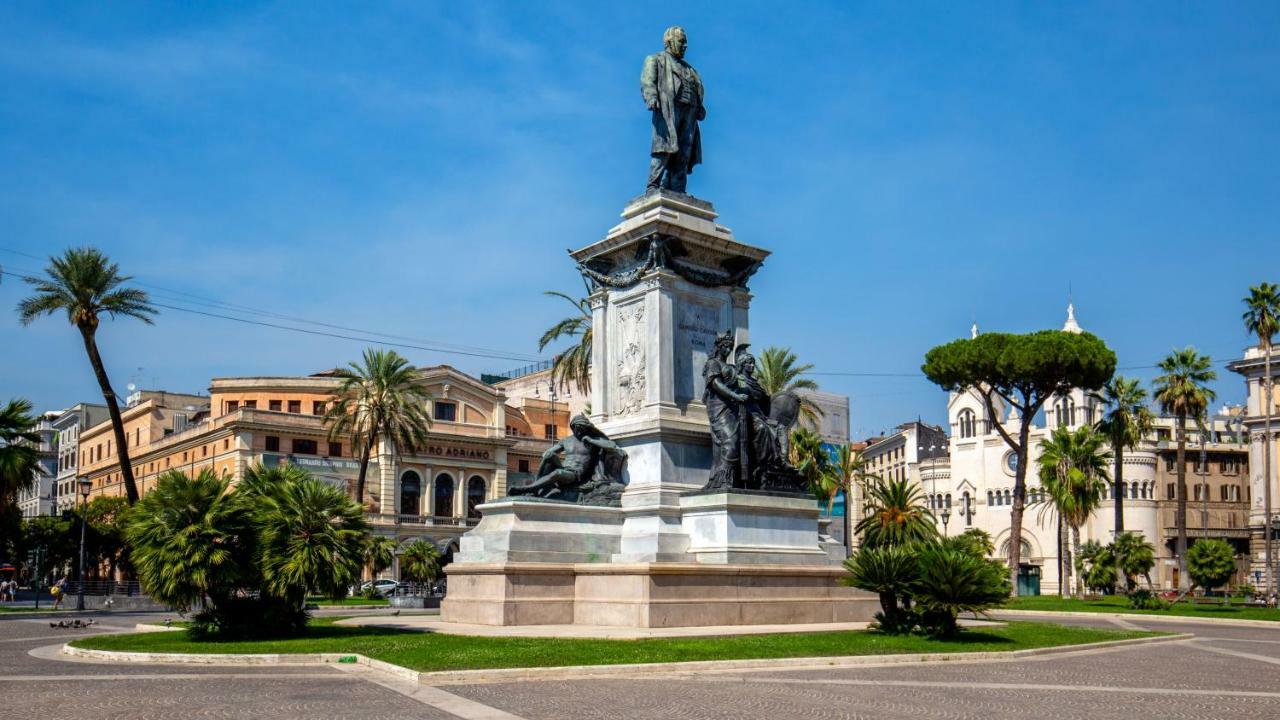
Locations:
(697, 323)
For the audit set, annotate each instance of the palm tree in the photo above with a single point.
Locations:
(896, 515)
(381, 399)
(191, 541)
(1134, 556)
(778, 370)
(1262, 318)
(811, 459)
(311, 535)
(420, 561)
(85, 284)
(1182, 390)
(574, 364)
(847, 470)
(19, 460)
(1126, 421)
(379, 553)
(1073, 472)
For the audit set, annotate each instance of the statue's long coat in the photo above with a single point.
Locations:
(659, 81)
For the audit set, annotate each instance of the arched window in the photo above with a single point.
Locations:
(410, 493)
(1008, 498)
(475, 495)
(991, 498)
(1133, 491)
(444, 495)
(967, 508)
(968, 423)
(947, 499)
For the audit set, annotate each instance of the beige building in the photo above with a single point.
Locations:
(477, 445)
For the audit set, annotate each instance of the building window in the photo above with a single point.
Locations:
(232, 406)
(1173, 492)
(137, 437)
(443, 506)
(522, 466)
(295, 407)
(444, 411)
(304, 447)
(250, 404)
(272, 443)
(226, 443)
(1169, 462)
(273, 405)
(1008, 497)
(204, 451)
(335, 449)
(475, 495)
(549, 431)
(317, 407)
(1230, 466)
(410, 493)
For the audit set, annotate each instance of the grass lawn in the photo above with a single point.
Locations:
(426, 652)
(330, 602)
(1120, 604)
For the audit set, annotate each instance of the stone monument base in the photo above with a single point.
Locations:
(651, 595)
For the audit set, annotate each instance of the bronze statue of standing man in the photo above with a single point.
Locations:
(673, 91)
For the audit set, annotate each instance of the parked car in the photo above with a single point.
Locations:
(383, 586)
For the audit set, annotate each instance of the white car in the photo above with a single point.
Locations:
(384, 587)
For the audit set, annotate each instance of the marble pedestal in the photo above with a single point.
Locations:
(666, 281)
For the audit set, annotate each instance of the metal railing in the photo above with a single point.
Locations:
(424, 520)
(129, 588)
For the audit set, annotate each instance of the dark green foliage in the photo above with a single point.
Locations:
(192, 541)
(248, 557)
(1134, 556)
(896, 515)
(952, 579)
(420, 561)
(890, 572)
(249, 618)
(573, 365)
(1144, 599)
(1040, 363)
(19, 461)
(1211, 563)
(1097, 565)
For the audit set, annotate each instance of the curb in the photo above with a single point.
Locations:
(451, 677)
(1275, 624)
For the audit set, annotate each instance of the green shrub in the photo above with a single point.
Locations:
(371, 593)
(1144, 599)
(1211, 563)
(245, 618)
(952, 581)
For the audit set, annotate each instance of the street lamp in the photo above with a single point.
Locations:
(946, 517)
(84, 485)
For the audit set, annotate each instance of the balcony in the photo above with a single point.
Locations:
(420, 520)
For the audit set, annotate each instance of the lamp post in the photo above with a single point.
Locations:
(946, 517)
(84, 485)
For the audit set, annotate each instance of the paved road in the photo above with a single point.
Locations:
(1226, 672)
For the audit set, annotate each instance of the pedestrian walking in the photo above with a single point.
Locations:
(58, 591)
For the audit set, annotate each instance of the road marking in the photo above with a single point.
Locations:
(433, 696)
(993, 686)
(1125, 624)
(1236, 653)
(1227, 639)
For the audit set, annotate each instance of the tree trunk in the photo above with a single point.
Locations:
(848, 522)
(117, 424)
(1019, 501)
(1064, 561)
(1181, 547)
(1075, 554)
(1266, 472)
(360, 477)
(1118, 488)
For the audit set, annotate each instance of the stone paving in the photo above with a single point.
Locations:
(1225, 672)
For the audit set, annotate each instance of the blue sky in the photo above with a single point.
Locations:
(419, 169)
